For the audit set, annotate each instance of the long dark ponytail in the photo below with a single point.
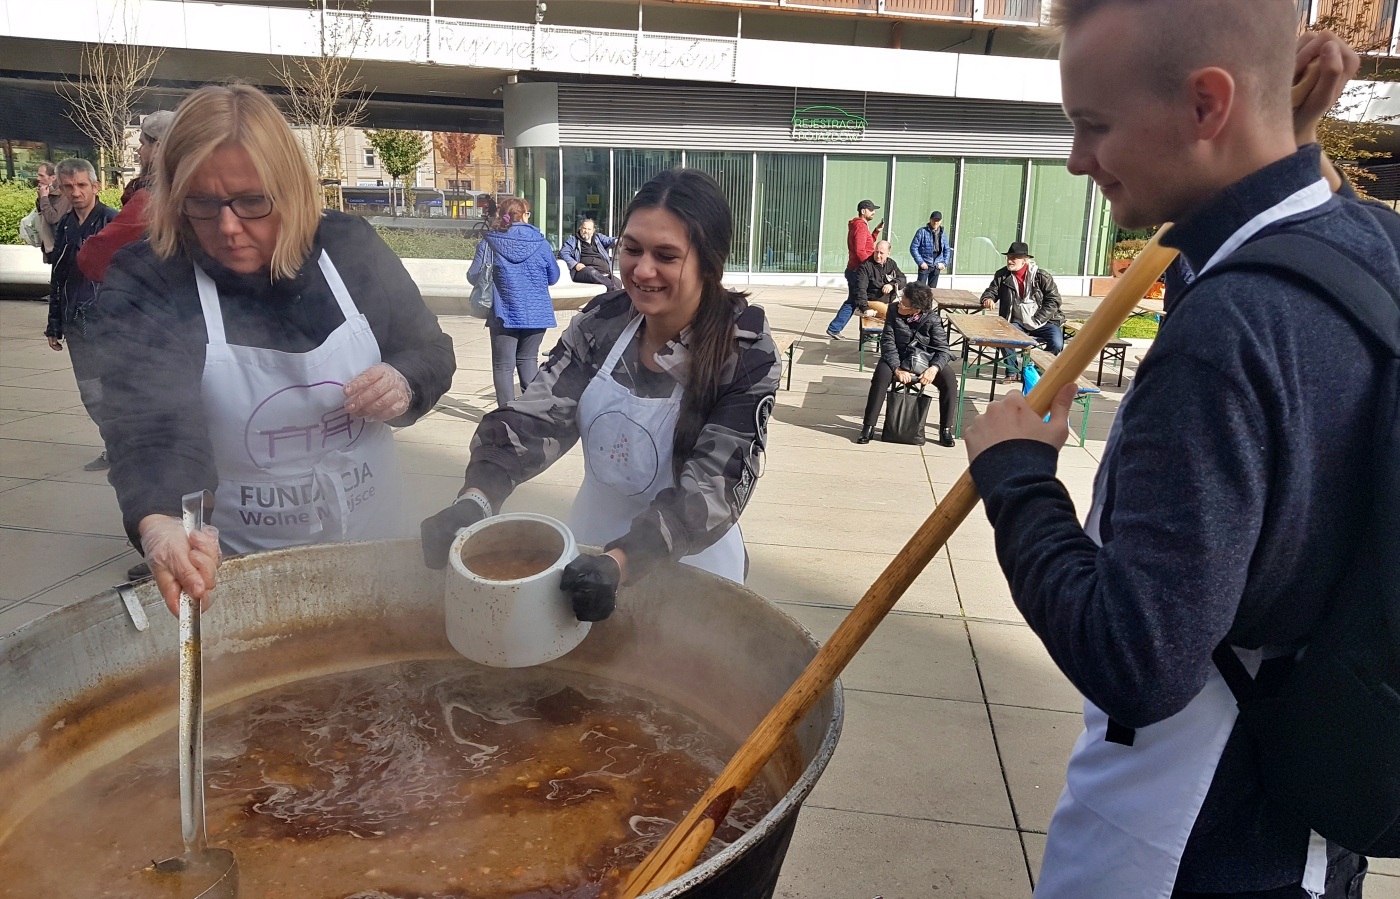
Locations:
(697, 200)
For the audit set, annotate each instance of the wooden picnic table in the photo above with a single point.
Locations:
(989, 330)
(957, 300)
(985, 339)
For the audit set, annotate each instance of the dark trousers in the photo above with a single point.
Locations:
(880, 385)
(929, 275)
(1344, 881)
(848, 308)
(588, 275)
(514, 351)
(83, 353)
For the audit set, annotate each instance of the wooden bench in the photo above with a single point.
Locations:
(1115, 352)
(870, 331)
(1043, 359)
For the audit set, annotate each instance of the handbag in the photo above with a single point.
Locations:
(483, 296)
(906, 410)
(29, 229)
(919, 361)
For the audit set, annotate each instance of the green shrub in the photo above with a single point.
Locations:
(1139, 326)
(428, 244)
(17, 201)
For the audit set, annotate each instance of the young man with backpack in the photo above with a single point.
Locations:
(1241, 506)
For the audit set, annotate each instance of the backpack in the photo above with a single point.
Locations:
(1324, 726)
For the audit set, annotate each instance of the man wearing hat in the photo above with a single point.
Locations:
(860, 246)
(130, 224)
(1025, 295)
(930, 250)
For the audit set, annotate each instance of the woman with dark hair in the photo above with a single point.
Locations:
(669, 383)
(523, 267)
(913, 347)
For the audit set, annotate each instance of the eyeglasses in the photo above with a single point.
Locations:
(205, 209)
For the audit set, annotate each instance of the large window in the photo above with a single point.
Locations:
(990, 213)
(1059, 211)
(585, 192)
(734, 172)
(537, 180)
(921, 186)
(850, 179)
(631, 170)
(788, 196)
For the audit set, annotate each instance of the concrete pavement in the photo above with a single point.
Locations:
(958, 725)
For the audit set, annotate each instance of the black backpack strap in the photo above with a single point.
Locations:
(1361, 297)
(1344, 281)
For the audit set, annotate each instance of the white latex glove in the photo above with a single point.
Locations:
(378, 393)
(180, 562)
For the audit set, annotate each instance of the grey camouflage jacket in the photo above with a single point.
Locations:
(518, 441)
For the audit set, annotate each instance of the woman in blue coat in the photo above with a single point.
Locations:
(523, 268)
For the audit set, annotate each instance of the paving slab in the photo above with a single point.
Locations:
(850, 855)
(1016, 670)
(34, 561)
(1035, 745)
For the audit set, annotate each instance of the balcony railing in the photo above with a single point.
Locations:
(1024, 11)
(1369, 25)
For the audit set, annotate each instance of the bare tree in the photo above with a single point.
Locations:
(112, 75)
(325, 92)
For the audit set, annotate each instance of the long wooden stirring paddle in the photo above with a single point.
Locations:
(678, 852)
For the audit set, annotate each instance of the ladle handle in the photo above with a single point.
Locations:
(191, 700)
(685, 843)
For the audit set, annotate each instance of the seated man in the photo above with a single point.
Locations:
(879, 282)
(1026, 296)
(586, 254)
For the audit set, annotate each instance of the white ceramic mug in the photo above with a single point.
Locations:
(517, 622)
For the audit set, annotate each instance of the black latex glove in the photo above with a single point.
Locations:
(440, 530)
(591, 582)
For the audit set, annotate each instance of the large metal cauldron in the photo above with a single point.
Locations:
(82, 686)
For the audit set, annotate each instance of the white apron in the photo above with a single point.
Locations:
(294, 466)
(1126, 812)
(627, 462)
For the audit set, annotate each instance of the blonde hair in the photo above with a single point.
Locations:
(235, 115)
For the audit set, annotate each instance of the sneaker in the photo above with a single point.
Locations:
(835, 336)
(138, 572)
(98, 464)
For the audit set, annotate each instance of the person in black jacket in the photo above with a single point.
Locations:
(1025, 295)
(258, 347)
(913, 347)
(878, 283)
(71, 294)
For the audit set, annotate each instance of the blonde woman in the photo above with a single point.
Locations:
(259, 348)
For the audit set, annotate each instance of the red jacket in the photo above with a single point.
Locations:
(860, 243)
(128, 227)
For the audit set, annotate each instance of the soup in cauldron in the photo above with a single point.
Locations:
(415, 779)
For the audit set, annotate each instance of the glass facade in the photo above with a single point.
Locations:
(922, 186)
(537, 180)
(585, 194)
(1057, 217)
(734, 172)
(850, 179)
(632, 169)
(788, 204)
(989, 215)
(791, 209)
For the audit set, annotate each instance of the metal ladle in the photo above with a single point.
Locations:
(213, 872)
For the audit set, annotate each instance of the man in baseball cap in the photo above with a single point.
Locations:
(931, 250)
(860, 246)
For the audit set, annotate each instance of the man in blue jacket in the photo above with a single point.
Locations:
(931, 250)
(1235, 484)
(586, 254)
